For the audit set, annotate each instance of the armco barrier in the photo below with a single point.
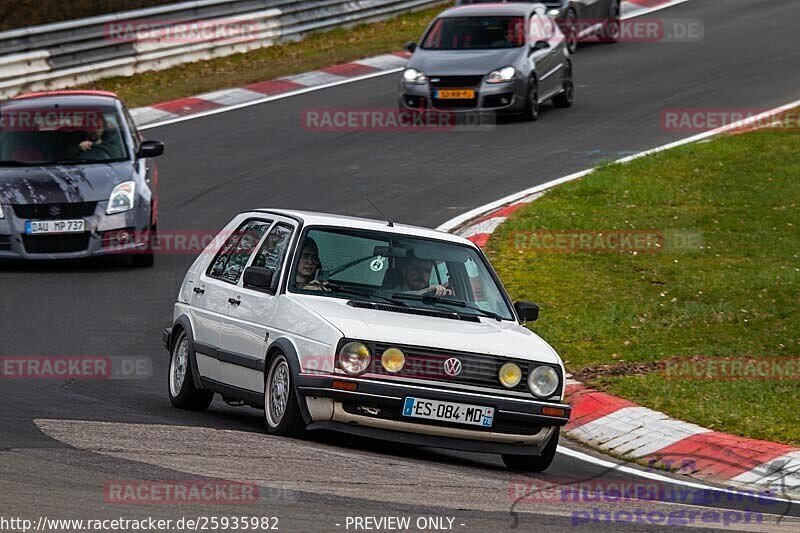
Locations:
(54, 56)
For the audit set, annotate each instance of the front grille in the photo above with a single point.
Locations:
(55, 211)
(412, 311)
(5, 243)
(455, 82)
(476, 369)
(55, 244)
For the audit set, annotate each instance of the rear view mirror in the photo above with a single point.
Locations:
(393, 251)
(527, 311)
(540, 45)
(258, 278)
(410, 47)
(150, 149)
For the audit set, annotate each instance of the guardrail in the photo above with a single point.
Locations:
(55, 56)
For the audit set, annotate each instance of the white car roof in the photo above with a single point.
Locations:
(311, 218)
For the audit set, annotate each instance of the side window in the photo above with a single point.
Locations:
(231, 259)
(273, 250)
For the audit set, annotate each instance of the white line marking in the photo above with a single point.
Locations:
(575, 454)
(519, 196)
(270, 98)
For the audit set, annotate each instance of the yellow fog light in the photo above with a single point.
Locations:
(393, 360)
(510, 375)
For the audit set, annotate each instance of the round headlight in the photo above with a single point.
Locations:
(393, 360)
(543, 381)
(412, 75)
(354, 357)
(510, 375)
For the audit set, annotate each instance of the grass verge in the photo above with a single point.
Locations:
(315, 51)
(722, 281)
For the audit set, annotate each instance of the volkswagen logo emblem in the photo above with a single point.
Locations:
(54, 210)
(452, 367)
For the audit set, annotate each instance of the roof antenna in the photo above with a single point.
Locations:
(391, 224)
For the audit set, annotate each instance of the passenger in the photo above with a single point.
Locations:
(307, 268)
(415, 277)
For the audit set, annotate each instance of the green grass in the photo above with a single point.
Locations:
(735, 295)
(315, 51)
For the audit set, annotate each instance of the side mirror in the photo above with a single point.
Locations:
(258, 278)
(527, 311)
(150, 149)
(540, 45)
(410, 47)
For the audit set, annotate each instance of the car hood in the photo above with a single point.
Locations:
(504, 338)
(462, 62)
(62, 184)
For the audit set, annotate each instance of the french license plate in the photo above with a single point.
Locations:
(34, 227)
(460, 413)
(455, 94)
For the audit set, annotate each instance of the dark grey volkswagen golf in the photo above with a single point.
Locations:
(76, 178)
(506, 58)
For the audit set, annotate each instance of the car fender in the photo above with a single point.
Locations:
(186, 323)
(288, 348)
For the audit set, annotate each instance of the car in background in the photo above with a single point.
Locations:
(370, 328)
(579, 19)
(502, 58)
(77, 179)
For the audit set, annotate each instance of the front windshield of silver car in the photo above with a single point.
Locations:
(397, 270)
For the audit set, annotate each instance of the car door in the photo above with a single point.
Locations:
(213, 289)
(547, 59)
(245, 327)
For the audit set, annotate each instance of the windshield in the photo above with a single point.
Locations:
(60, 135)
(470, 33)
(406, 271)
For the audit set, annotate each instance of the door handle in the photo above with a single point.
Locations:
(198, 290)
(234, 301)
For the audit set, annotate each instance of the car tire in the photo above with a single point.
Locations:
(281, 409)
(570, 29)
(530, 112)
(611, 28)
(566, 97)
(180, 385)
(534, 463)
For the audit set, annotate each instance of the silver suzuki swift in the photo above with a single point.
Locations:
(506, 58)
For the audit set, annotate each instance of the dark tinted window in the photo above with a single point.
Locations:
(231, 259)
(465, 33)
(274, 248)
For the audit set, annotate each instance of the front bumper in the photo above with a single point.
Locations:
(375, 409)
(16, 245)
(508, 97)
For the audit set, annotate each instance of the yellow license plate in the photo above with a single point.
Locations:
(455, 94)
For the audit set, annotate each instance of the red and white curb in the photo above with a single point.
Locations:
(627, 430)
(214, 102)
(255, 93)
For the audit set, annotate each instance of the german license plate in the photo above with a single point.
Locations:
(460, 413)
(455, 94)
(35, 227)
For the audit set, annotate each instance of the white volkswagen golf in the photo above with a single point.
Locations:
(367, 327)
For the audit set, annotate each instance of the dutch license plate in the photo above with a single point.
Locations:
(460, 413)
(455, 94)
(34, 227)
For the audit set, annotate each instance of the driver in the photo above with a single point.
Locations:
(307, 267)
(99, 143)
(415, 277)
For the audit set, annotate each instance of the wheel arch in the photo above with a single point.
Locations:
(184, 323)
(288, 348)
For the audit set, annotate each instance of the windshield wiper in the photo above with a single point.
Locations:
(15, 163)
(368, 295)
(433, 300)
